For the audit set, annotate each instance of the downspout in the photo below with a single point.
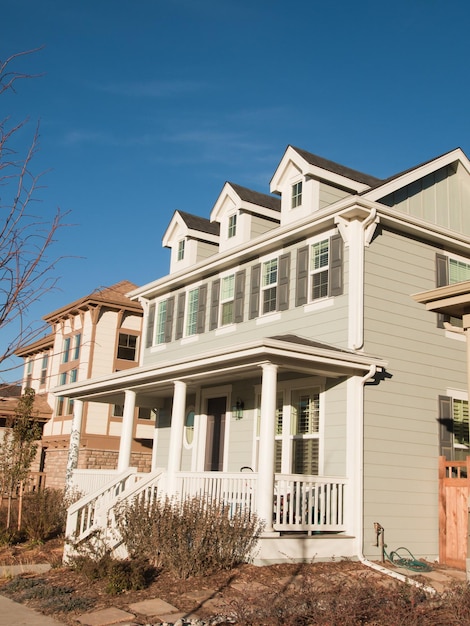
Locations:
(370, 564)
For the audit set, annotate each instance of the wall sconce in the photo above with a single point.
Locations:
(237, 409)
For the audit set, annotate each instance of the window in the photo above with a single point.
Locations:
(448, 272)
(305, 422)
(189, 427)
(29, 372)
(232, 226)
(118, 410)
(143, 412)
(161, 322)
(45, 361)
(76, 346)
(127, 347)
(191, 319)
(319, 255)
(269, 286)
(180, 254)
(227, 295)
(296, 194)
(66, 350)
(61, 400)
(319, 270)
(454, 435)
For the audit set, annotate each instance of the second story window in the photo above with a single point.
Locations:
(227, 294)
(319, 261)
(76, 346)
(66, 351)
(458, 271)
(161, 322)
(44, 364)
(180, 254)
(269, 286)
(127, 347)
(191, 319)
(296, 194)
(232, 226)
(29, 372)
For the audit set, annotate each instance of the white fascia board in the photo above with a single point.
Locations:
(307, 169)
(247, 355)
(257, 209)
(417, 173)
(170, 233)
(219, 206)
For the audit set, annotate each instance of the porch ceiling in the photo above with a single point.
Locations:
(292, 355)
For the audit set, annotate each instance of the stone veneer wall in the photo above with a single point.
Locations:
(56, 463)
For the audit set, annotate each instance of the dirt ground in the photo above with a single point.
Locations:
(225, 593)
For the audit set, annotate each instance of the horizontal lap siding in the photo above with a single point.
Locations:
(400, 421)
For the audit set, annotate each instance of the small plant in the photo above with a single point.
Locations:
(189, 538)
(44, 514)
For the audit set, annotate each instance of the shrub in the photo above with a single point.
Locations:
(44, 514)
(189, 538)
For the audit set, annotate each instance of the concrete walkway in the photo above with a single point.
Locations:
(14, 614)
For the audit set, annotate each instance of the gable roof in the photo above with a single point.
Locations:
(113, 296)
(201, 224)
(336, 168)
(256, 197)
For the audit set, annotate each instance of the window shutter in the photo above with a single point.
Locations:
(255, 289)
(335, 277)
(442, 279)
(170, 308)
(180, 316)
(150, 323)
(214, 313)
(301, 288)
(284, 279)
(239, 296)
(201, 309)
(446, 428)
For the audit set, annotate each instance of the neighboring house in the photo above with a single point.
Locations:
(285, 341)
(93, 336)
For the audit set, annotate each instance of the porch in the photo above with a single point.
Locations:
(302, 506)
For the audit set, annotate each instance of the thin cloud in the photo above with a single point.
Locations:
(80, 137)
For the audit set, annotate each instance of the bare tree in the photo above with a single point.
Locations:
(26, 270)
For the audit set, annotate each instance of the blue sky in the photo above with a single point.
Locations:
(149, 106)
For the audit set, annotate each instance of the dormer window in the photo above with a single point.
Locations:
(232, 225)
(180, 255)
(296, 194)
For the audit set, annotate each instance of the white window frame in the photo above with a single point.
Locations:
(296, 194)
(160, 322)
(190, 323)
(267, 286)
(232, 226)
(227, 299)
(181, 250)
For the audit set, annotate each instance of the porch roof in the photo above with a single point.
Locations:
(451, 300)
(291, 353)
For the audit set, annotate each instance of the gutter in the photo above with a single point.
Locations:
(370, 564)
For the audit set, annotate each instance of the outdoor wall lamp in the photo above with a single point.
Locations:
(237, 409)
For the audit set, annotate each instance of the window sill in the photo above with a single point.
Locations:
(224, 330)
(320, 304)
(268, 318)
(190, 339)
(158, 348)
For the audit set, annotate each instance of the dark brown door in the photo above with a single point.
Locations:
(216, 408)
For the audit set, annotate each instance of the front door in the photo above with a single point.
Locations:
(214, 460)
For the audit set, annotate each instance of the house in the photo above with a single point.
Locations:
(95, 335)
(290, 368)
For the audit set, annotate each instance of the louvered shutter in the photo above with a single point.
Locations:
(442, 279)
(255, 290)
(170, 309)
(180, 316)
(283, 283)
(301, 288)
(446, 428)
(335, 277)
(214, 312)
(150, 323)
(239, 296)
(201, 309)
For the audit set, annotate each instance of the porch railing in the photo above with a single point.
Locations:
(88, 481)
(300, 503)
(309, 503)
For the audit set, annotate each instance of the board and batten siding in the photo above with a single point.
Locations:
(400, 413)
(441, 198)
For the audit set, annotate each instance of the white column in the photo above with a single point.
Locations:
(155, 443)
(74, 446)
(265, 489)
(125, 445)
(176, 435)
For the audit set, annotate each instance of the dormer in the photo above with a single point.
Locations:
(243, 214)
(191, 239)
(307, 183)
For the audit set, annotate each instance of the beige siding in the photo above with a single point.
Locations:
(259, 226)
(441, 198)
(400, 422)
(330, 195)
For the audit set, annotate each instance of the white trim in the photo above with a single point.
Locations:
(267, 318)
(225, 330)
(316, 305)
(457, 394)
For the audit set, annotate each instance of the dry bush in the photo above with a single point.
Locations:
(189, 538)
(44, 514)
